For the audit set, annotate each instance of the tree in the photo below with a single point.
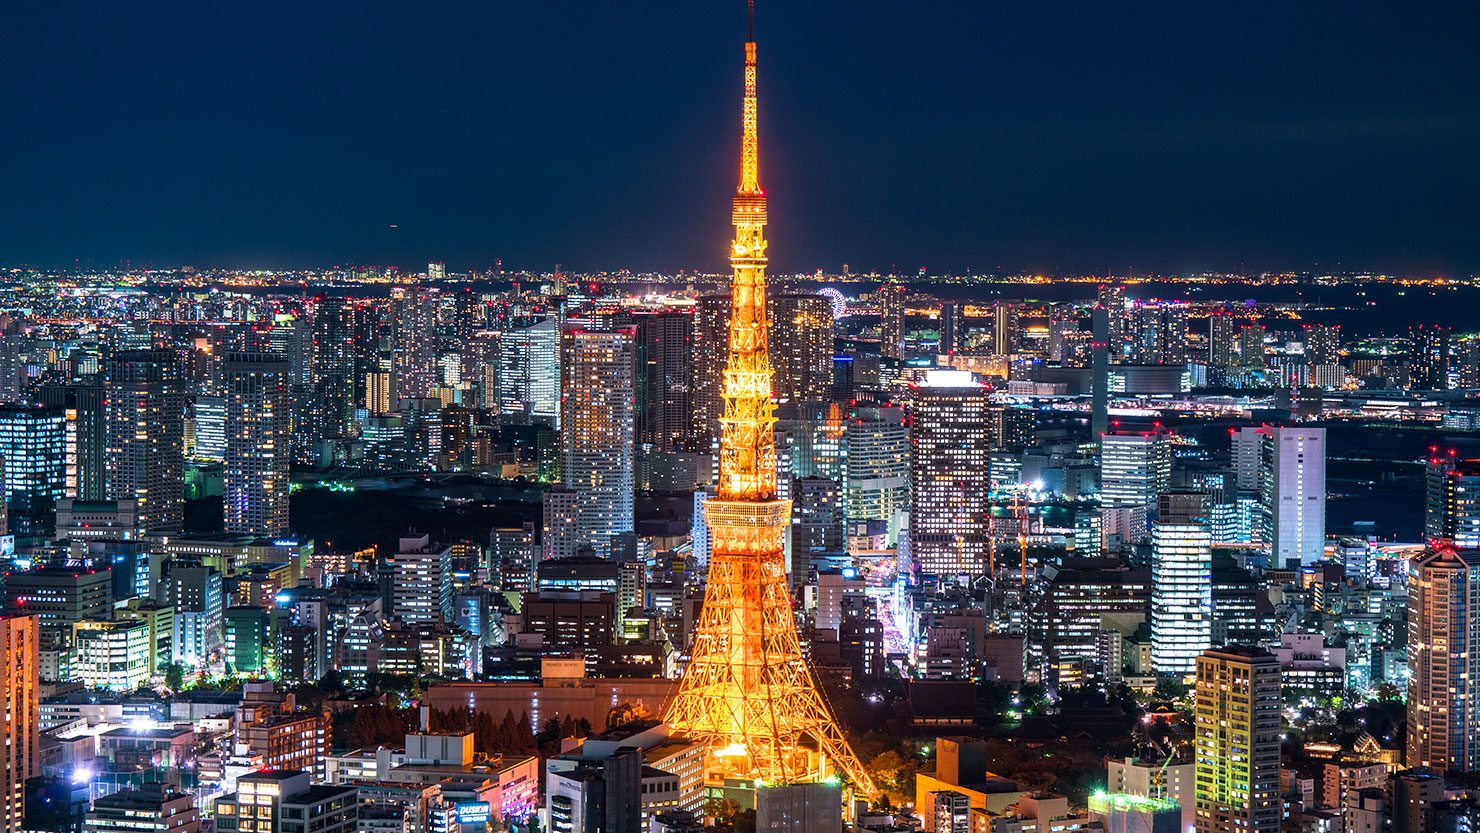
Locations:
(174, 676)
(894, 775)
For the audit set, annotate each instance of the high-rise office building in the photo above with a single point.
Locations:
(1236, 741)
(86, 436)
(414, 354)
(802, 347)
(1292, 489)
(1443, 660)
(816, 521)
(891, 320)
(210, 428)
(20, 695)
(33, 464)
(1135, 467)
(258, 425)
(1010, 428)
(1428, 361)
(529, 372)
(146, 436)
(1062, 644)
(949, 491)
(421, 575)
(665, 379)
(1452, 499)
(596, 423)
(877, 475)
(1181, 582)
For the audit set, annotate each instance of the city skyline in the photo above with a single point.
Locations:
(1157, 139)
(448, 550)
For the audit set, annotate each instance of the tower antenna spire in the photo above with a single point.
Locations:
(747, 693)
(750, 21)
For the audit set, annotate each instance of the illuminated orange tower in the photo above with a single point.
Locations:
(747, 693)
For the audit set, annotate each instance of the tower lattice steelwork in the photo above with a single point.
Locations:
(747, 692)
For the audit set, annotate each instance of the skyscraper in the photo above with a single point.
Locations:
(1292, 486)
(949, 443)
(1158, 333)
(87, 436)
(1006, 331)
(952, 325)
(1062, 645)
(1322, 344)
(1428, 361)
(817, 522)
(877, 474)
(802, 332)
(1236, 741)
(1222, 340)
(146, 436)
(1443, 660)
(747, 694)
(1135, 467)
(665, 379)
(334, 367)
(1452, 499)
(597, 406)
(210, 428)
(1065, 341)
(20, 696)
(529, 372)
(711, 350)
(34, 470)
(414, 354)
(1251, 346)
(1181, 582)
(258, 424)
(1111, 298)
(891, 320)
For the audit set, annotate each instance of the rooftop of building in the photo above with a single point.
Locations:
(142, 798)
(1242, 652)
(273, 774)
(155, 732)
(317, 793)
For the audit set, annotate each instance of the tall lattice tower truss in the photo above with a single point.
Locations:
(747, 693)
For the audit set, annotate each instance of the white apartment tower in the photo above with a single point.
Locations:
(1292, 493)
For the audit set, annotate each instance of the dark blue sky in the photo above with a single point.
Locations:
(1027, 136)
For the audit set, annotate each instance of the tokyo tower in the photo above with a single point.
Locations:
(747, 693)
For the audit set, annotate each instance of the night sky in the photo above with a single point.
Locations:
(952, 135)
